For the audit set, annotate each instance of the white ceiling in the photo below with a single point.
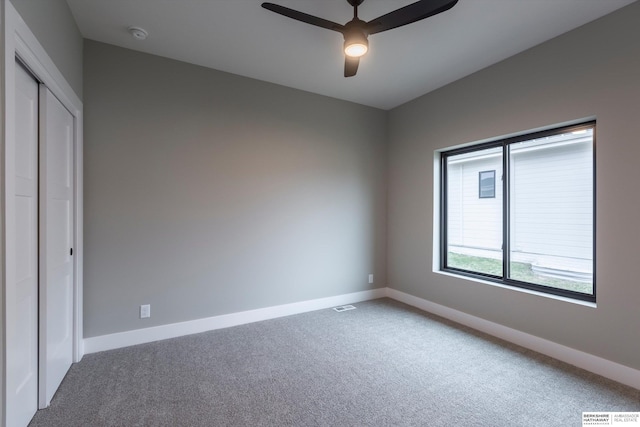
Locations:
(240, 37)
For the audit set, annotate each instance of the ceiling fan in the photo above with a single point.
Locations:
(356, 31)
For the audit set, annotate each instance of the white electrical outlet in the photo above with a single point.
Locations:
(145, 311)
(371, 278)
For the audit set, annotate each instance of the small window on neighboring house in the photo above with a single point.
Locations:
(535, 228)
(487, 184)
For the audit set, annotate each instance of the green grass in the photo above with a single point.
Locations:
(519, 271)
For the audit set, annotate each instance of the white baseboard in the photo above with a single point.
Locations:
(156, 333)
(606, 368)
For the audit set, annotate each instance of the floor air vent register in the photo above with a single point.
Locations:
(344, 308)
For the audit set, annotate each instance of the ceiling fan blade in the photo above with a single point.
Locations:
(303, 17)
(411, 13)
(350, 66)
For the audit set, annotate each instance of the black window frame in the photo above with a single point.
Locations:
(504, 279)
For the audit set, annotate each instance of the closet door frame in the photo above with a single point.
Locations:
(20, 42)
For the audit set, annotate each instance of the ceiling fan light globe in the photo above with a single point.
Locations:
(355, 43)
(355, 50)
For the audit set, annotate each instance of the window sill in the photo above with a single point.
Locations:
(517, 289)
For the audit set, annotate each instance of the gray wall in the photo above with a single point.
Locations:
(591, 71)
(53, 25)
(208, 193)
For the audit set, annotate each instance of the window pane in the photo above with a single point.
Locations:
(551, 211)
(474, 211)
(487, 184)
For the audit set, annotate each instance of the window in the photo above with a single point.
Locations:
(528, 220)
(487, 184)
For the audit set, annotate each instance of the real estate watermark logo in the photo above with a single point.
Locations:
(629, 419)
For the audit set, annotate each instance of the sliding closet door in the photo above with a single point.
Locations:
(56, 237)
(22, 294)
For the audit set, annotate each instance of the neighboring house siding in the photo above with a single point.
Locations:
(551, 208)
(478, 225)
